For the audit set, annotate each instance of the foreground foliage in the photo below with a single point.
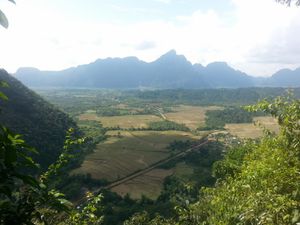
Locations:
(25, 199)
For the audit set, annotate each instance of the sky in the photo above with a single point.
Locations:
(258, 37)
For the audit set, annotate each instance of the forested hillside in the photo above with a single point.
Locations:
(42, 125)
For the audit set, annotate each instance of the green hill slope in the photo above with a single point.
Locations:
(26, 113)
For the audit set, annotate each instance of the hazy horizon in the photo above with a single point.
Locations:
(28, 67)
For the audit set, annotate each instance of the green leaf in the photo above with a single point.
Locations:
(65, 202)
(3, 96)
(3, 19)
(4, 84)
(12, 1)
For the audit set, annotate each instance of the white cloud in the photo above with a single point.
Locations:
(164, 1)
(262, 38)
(145, 45)
(267, 31)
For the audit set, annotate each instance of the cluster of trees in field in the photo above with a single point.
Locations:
(93, 130)
(163, 125)
(166, 125)
(216, 119)
(179, 145)
(114, 111)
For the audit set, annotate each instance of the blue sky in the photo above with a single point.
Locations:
(257, 36)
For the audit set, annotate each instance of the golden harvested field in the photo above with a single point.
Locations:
(191, 116)
(248, 130)
(149, 184)
(136, 121)
(118, 157)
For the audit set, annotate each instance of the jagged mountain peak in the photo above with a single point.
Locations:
(218, 65)
(171, 57)
(27, 69)
(171, 70)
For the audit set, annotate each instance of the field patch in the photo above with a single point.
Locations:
(249, 130)
(192, 116)
(149, 184)
(129, 121)
(125, 152)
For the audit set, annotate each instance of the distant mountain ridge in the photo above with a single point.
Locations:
(168, 71)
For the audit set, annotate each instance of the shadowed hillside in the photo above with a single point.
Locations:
(42, 126)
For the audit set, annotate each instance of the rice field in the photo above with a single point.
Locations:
(129, 121)
(192, 116)
(127, 152)
(250, 130)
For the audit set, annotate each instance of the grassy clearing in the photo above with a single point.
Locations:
(118, 157)
(183, 171)
(192, 116)
(129, 121)
(248, 130)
